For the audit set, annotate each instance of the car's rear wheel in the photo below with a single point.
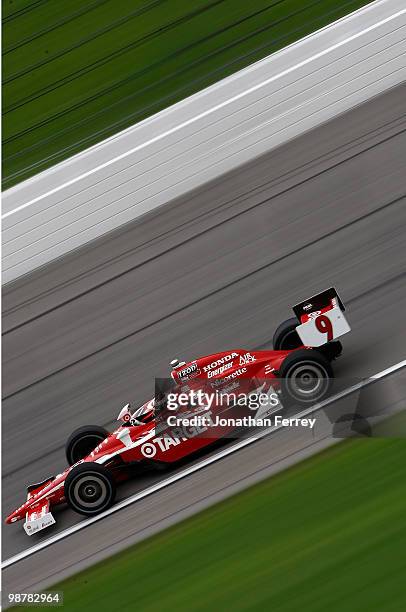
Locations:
(90, 488)
(286, 337)
(306, 377)
(83, 441)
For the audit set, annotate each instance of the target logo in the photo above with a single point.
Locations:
(148, 450)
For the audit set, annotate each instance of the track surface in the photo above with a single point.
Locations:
(218, 269)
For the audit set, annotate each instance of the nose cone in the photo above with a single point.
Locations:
(17, 515)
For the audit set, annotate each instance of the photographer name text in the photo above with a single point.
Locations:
(204, 421)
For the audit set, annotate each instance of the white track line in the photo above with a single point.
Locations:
(194, 468)
(203, 114)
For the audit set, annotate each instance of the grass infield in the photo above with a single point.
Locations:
(327, 534)
(77, 72)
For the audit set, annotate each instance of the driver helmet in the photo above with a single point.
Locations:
(143, 415)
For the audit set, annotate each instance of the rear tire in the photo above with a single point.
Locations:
(90, 488)
(306, 377)
(286, 337)
(83, 441)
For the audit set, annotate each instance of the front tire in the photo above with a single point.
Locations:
(83, 441)
(90, 488)
(306, 377)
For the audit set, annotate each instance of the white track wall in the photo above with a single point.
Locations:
(203, 136)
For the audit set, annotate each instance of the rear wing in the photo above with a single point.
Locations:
(321, 318)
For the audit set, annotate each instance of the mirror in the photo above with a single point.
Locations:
(125, 414)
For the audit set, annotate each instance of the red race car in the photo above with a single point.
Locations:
(297, 370)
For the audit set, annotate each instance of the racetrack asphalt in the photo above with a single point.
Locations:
(218, 269)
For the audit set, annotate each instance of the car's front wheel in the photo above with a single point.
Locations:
(90, 488)
(83, 441)
(306, 377)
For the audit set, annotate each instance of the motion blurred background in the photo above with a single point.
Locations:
(77, 72)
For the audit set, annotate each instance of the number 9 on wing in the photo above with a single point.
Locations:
(321, 318)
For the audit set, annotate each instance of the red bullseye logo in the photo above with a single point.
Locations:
(148, 450)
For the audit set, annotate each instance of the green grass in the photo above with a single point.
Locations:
(327, 535)
(76, 72)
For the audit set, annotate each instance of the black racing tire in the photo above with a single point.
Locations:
(82, 441)
(286, 337)
(306, 377)
(90, 488)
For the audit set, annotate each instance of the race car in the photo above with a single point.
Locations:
(298, 370)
